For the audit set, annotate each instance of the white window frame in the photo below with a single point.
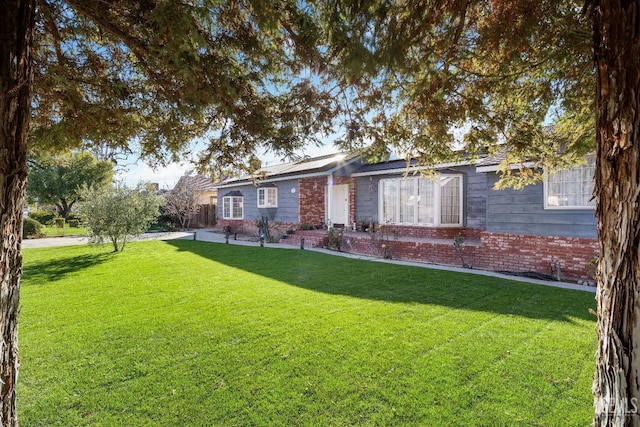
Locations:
(437, 211)
(228, 201)
(547, 184)
(265, 199)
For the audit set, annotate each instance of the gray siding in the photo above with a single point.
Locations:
(475, 197)
(522, 212)
(474, 193)
(367, 198)
(288, 202)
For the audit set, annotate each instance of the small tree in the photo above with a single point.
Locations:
(182, 202)
(118, 212)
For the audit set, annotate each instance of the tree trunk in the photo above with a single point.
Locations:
(63, 208)
(616, 385)
(16, 31)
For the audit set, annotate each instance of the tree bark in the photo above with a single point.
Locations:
(616, 385)
(16, 31)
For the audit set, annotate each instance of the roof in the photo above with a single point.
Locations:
(306, 165)
(401, 166)
(321, 165)
(197, 182)
(492, 159)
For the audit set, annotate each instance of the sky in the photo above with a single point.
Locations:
(167, 177)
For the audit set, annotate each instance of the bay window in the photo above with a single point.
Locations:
(420, 201)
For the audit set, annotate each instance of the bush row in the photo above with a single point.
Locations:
(51, 218)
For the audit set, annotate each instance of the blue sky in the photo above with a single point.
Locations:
(168, 176)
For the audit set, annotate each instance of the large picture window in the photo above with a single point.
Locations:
(233, 207)
(572, 188)
(268, 197)
(420, 201)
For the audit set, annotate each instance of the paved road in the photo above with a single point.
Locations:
(207, 235)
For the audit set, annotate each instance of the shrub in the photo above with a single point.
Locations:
(335, 239)
(165, 221)
(59, 222)
(72, 216)
(43, 217)
(118, 212)
(31, 228)
(74, 223)
(384, 239)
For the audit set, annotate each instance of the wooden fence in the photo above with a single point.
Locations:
(204, 218)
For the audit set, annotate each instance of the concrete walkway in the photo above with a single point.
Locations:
(208, 235)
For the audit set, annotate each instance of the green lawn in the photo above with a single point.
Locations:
(185, 333)
(52, 231)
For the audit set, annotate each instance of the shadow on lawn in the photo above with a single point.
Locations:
(40, 273)
(395, 283)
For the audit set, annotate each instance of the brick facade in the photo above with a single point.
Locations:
(480, 249)
(516, 252)
(249, 228)
(312, 199)
(312, 203)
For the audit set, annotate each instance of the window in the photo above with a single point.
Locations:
(232, 207)
(420, 201)
(572, 188)
(450, 207)
(268, 197)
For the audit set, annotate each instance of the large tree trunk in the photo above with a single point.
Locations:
(16, 30)
(617, 58)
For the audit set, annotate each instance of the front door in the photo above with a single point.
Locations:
(339, 213)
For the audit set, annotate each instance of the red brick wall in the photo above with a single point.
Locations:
(248, 227)
(436, 232)
(312, 199)
(311, 192)
(237, 226)
(434, 251)
(516, 252)
(489, 251)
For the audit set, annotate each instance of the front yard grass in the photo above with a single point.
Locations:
(197, 334)
(53, 231)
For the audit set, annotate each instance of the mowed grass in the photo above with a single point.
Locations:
(52, 231)
(199, 334)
